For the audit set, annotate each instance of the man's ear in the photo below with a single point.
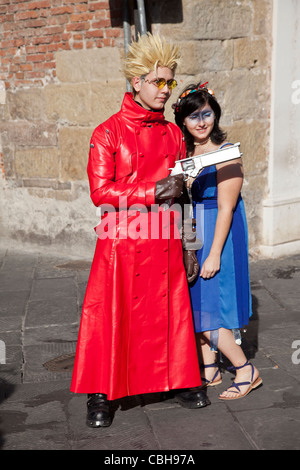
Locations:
(136, 84)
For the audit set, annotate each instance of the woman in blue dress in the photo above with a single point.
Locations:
(220, 295)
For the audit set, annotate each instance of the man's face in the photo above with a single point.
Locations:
(148, 93)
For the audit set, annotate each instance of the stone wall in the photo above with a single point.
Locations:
(60, 77)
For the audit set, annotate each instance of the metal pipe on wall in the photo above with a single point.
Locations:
(142, 16)
(127, 29)
(127, 33)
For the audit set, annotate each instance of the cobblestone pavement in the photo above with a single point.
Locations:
(40, 303)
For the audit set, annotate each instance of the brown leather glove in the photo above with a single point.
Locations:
(191, 264)
(189, 236)
(169, 187)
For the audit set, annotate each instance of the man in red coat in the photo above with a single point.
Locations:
(136, 333)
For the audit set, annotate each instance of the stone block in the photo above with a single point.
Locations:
(88, 65)
(254, 144)
(4, 111)
(201, 56)
(46, 183)
(51, 194)
(216, 19)
(20, 104)
(247, 94)
(250, 52)
(25, 132)
(262, 23)
(106, 99)
(7, 160)
(34, 162)
(2, 92)
(68, 103)
(211, 19)
(74, 148)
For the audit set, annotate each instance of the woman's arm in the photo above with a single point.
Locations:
(229, 181)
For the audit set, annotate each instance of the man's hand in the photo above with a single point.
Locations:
(169, 187)
(191, 264)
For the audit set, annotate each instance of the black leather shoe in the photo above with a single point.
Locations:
(192, 398)
(98, 411)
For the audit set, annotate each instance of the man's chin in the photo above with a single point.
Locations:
(159, 106)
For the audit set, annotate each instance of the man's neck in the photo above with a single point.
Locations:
(148, 109)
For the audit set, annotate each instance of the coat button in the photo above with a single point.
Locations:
(137, 131)
(163, 132)
(141, 155)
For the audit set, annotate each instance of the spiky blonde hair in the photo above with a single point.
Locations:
(148, 53)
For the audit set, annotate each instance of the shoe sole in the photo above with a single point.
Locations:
(255, 385)
(193, 406)
(211, 384)
(99, 424)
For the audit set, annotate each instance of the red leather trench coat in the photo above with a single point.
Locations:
(136, 334)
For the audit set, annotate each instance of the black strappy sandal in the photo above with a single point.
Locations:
(252, 384)
(212, 382)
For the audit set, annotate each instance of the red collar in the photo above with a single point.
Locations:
(135, 113)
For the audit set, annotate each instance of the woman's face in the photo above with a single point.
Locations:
(200, 123)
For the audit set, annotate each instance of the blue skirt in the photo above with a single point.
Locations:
(223, 301)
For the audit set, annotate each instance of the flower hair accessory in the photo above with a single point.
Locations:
(193, 90)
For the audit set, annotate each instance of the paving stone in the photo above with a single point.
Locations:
(55, 311)
(202, 429)
(53, 288)
(13, 302)
(37, 355)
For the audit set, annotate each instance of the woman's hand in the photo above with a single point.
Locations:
(210, 266)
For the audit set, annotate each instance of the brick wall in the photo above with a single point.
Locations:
(33, 31)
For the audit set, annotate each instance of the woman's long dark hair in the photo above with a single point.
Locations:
(191, 103)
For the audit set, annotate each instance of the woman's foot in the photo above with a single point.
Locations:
(211, 375)
(247, 378)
